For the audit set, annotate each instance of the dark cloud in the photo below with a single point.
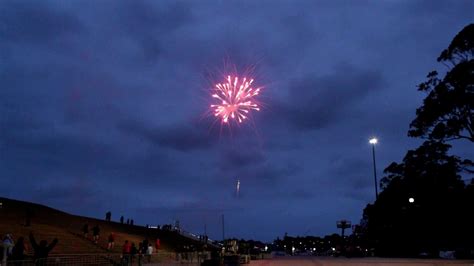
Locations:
(317, 102)
(181, 137)
(35, 21)
(233, 158)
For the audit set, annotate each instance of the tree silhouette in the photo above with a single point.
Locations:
(438, 214)
(434, 220)
(447, 111)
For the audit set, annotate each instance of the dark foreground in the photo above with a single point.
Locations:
(303, 261)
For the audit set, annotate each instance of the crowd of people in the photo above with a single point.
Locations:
(16, 251)
(145, 249)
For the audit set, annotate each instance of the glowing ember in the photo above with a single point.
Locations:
(235, 99)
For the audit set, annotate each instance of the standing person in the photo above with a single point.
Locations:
(1, 253)
(28, 215)
(85, 230)
(108, 216)
(133, 252)
(140, 253)
(157, 244)
(121, 219)
(96, 233)
(131, 222)
(149, 252)
(19, 249)
(111, 243)
(7, 247)
(145, 245)
(128, 221)
(126, 252)
(42, 250)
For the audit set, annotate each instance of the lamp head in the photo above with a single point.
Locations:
(373, 141)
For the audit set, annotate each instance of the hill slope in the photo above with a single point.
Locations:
(48, 223)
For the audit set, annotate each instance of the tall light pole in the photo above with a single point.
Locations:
(374, 141)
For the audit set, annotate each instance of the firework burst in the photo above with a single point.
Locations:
(236, 99)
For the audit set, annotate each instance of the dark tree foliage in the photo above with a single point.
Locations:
(439, 218)
(447, 111)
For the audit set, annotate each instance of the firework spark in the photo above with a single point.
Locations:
(235, 99)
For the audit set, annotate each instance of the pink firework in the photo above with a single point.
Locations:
(236, 99)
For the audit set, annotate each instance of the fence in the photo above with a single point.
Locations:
(185, 258)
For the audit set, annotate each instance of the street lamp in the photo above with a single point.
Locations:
(411, 200)
(374, 141)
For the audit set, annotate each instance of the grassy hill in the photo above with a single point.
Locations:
(48, 223)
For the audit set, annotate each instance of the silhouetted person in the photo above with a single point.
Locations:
(95, 233)
(128, 221)
(121, 219)
(19, 249)
(133, 252)
(42, 250)
(140, 253)
(131, 222)
(85, 230)
(108, 216)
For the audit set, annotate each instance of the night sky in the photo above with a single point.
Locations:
(104, 105)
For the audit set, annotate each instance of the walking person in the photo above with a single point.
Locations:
(111, 241)
(85, 230)
(95, 233)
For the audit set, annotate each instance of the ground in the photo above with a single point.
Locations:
(328, 261)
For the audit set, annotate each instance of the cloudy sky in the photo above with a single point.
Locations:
(104, 106)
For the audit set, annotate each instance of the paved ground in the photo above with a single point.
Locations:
(319, 261)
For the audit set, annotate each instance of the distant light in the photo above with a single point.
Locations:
(333, 249)
(266, 248)
(373, 141)
(411, 200)
(293, 249)
(314, 249)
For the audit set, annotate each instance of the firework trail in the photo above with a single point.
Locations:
(236, 99)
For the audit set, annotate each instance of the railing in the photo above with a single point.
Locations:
(187, 258)
(19, 263)
(183, 258)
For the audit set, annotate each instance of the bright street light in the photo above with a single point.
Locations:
(411, 200)
(374, 141)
